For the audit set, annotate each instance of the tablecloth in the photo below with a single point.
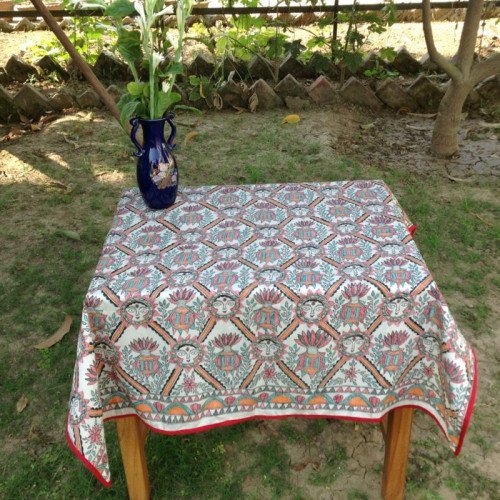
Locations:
(264, 301)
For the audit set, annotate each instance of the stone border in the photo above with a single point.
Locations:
(293, 84)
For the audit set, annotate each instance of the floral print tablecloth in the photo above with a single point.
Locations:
(264, 301)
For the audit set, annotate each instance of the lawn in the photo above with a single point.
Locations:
(58, 192)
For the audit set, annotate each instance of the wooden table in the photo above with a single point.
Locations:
(265, 301)
(396, 429)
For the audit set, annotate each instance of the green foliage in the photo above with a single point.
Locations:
(348, 52)
(294, 48)
(165, 100)
(380, 71)
(129, 106)
(388, 53)
(145, 47)
(86, 34)
(201, 87)
(129, 46)
(120, 8)
(249, 35)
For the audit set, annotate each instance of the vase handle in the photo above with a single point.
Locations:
(135, 125)
(173, 130)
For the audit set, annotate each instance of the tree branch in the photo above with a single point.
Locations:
(446, 65)
(465, 54)
(484, 69)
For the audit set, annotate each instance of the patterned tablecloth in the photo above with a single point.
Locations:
(259, 301)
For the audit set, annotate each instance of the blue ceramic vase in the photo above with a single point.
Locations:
(157, 174)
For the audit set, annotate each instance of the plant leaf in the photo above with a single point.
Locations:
(194, 95)
(129, 45)
(188, 108)
(353, 61)
(120, 8)
(291, 119)
(164, 101)
(22, 403)
(58, 335)
(127, 105)
(72, 235)
(176, 68)
(135, 89)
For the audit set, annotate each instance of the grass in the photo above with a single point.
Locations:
(271, 466)
(44, 275)
(333, 466)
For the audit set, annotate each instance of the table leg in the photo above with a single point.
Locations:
(383, 426)
(132, 437)
(397, 446)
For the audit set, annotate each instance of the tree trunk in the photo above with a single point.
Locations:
(445, 134)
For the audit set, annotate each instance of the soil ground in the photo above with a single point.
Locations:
(68, 176)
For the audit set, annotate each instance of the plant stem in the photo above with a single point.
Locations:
(151, 89)
(181, 23)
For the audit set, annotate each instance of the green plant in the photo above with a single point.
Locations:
(379, 71)
(144, 47)
(245, 37)
(87, 34)
(348, 52)
(202, 88)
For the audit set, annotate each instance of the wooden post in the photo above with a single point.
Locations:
(132, 437)
(397, 446)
